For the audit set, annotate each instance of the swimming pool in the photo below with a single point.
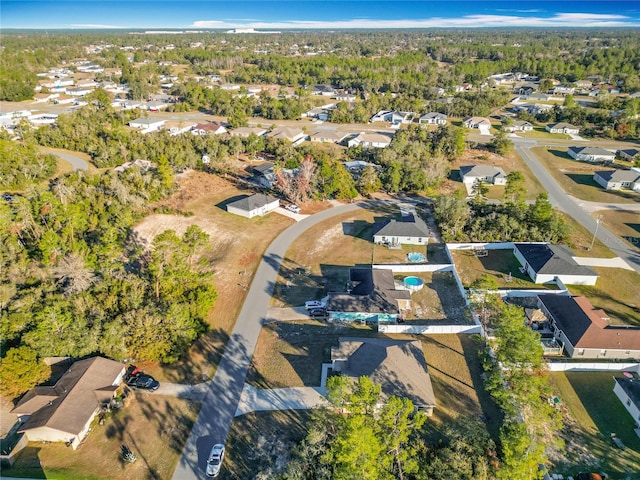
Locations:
(413, 283)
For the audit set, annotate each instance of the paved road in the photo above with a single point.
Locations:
(566, 203)
(78, 163)
(224, 392)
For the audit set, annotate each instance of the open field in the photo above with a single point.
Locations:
(591, 413)
(153, 427)
(579, 239)
(616, 292)
(509, 164)
(235, 252)
(576, 178)
(498, 263)
(438, 302)
(623, 223)
(539, 131)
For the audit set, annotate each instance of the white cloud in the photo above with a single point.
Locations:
(469, 21)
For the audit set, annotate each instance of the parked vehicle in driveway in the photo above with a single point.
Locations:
(214, 462)
(318, 312)
(136, 379)
(311, 304)
(293, 208)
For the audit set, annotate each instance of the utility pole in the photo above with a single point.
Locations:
(595, 232)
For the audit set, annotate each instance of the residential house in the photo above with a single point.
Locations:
(591, 154)
(586, 332)
(371, 296)
(628, 392)
(519, 126)
(618, 179)
(356, 167)
(63, 99)
(322, 113)
(154, 105)
(126, 104)
(584, 84)
(8, 119)
(213, 128)
(433, 118)
(230, 86)
(43, 119)
(477, 123)
(346, 97)
(293, 135)
(398, 366)
(472, 174)
(630, 154)
(253, 205)
(146, 124)
(539, 97)
(264, 174)
(562, 127)
(525, 90)
(407, 232)
(79, 91)
(538, 108)
(324, 90)
(371, 140)
(564, 90)
(64, 412)
(545, 263)
(177, 128)
(45, 97)
(142, 165)
(393, 117)
(328, 136)
(244, 132)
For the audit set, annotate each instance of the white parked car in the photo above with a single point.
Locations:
(314, 304)
(293, 208)
(214, 462)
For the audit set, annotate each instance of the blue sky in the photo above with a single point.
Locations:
(268, 14)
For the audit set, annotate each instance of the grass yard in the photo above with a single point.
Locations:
(576, 178)
(624, 223)
(616, 292)
(579, 239)
(498, 263)
(234, 255)
(591, 412)
(155, 428)
(541, 132)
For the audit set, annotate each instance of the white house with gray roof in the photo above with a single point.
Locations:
(253, 205)
(394, 233)
(562, 127)
(146, 124)
(472, 174)
(591, 154)
(433, 118)
(371, 140)
(545, 263)
(618, 179)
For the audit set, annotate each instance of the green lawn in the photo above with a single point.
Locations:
(540, 132)
(592, 412)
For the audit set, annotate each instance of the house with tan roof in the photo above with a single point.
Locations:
(562, 127)
(399, 367)
(586, 332)
(64, 412)
(244, 132)
(205, 128)
(293, 135)
(328, 136)
(371, 140)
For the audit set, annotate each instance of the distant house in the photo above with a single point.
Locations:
(519, 126)
(628, 392)
(146, 124)
(586, 332)
(79, 91)
(205, 128)
(322, 113)
(539, 97)
(584, 84)
(356, 167)
(154, 105)
(629, 154)
(525, 90)
(293, 135)
(328, 136)
(230, 86)
(562, 127)
(254, 205)
(591, 154)
(544, 262)
(618, 179)
(324, 90)
(64, 411)
(371, 140)
(371, 296)
(265, 174)
(394, 233)
(433, 118)
(246, 131)
(477, 123)
(471, 174)
(563, 90)
(394, 117)
(45, 97)
(346, 97)
(142, 165)
(398, 366)
(177, 128)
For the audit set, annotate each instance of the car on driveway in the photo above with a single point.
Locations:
(138, 380)
(293, 208)
(214, 462)
(318, 312)
(311, 304)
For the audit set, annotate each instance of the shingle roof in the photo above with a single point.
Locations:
(373, 292)
(631, 387)
(393, 228)
(252, 202)
(632, 152)
(68, 405)
(550, 259)
(285, 133)
(586, 327)
(591, 151)
(563, 125)
(618, 175)
(263, 168)
(399, 367)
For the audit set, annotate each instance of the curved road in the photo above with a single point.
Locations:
(224, 392)
(76, 162)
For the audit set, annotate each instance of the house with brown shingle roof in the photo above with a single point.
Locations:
(586, 332)
(399, 367)
(64, 412)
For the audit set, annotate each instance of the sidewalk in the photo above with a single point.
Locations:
(259, 400)
(615, 262)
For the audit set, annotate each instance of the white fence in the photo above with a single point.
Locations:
(430, 329)
(594, 367)
(486, 246)
(416, 268)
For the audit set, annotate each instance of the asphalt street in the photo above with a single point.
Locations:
(221, 401)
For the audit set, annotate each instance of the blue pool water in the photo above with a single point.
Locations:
(416, 257)
(413, 283)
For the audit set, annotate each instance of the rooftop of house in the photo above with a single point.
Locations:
(587, 327)
(377, 137)
(550, 259)
(619, 175)
(393, 228)
(563, 125)
(481, 171)
(399, 367)
(631, 387)
(478, 120)
(333, 135)
(68, 405)
(433, 115)
(146, 121)
(373, 291)
(252, 202)
(632, 152)
(208, 126)
(591, 151)
(285, 133)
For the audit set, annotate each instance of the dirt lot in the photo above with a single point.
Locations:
(439, 301)
(234, 254)
(509, 164)
(153, 427)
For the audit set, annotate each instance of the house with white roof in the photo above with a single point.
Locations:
(393, 117)
(562, 127)
(472, 174)
(477, 123)
(146, 124)
(371, 140)
(433, 118)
